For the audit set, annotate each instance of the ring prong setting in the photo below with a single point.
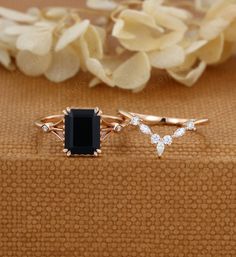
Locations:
(117, 128)
(81, 130)
(68, 153)
(96, 110)
(99, 151)
(65, 112)
(45, 128)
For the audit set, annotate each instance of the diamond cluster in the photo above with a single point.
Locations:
(162, 142)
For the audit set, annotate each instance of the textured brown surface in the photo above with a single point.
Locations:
(127, 202)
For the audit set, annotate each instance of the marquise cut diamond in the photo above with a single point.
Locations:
(179, 132)
(160, 148)
(145, 129)
(162, 142)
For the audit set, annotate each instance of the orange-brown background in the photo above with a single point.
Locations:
(127, 202)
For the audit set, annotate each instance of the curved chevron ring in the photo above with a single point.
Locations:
(144, 122)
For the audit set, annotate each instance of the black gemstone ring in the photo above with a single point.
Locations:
(82, 130)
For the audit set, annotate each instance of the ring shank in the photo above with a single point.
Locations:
(55, 124)
(112, 121)
(55, 119)
(155, 120)
(49, 119)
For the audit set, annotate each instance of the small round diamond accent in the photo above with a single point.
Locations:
(179, 132)
(190, 125)
(45, 128)
(167, 140)
(145, 129)
(155, 138)
(135, 121)
(118, 128)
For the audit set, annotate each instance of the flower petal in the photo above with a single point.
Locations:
(203, 5)
(211, 52)
(94, 82)
(102, 33)
(170, 39)
(228, 51)
(8, 40)
(89, 45)
(189, 62)
(139, 89)
(133, 73)
(230, 33)
(146, 44)
(167, 58)
(45, 25)
(163, 17)
(216, 8)
(31, 64)
(189, 78)
(213, 28)
(5, 58)
(65, 64)
(222, 9)
(71, 34)
(140, 17)
(194, 46)
(177, 12)
(229, 13)
(82, 49)
(17, 16)
(16, 30)
(94, 42)
(97, 69)
(35, 11)
(120, 32)
(101, 4)
(137, 31)
(56, 12)
(37, 41)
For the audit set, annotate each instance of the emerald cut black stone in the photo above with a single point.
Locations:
(82, 131)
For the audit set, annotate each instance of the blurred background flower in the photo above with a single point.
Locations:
(123, 43)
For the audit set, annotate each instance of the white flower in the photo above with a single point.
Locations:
(55, 47)
(101, 4)
(57, 43)
(132, 73)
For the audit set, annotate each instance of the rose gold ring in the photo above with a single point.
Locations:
(145, 122)
(82, 130)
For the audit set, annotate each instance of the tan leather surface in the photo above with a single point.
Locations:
(126, 202)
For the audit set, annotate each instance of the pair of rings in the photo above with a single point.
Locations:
(83, 130)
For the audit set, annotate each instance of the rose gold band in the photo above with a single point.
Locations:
(55, 124)
(144, 122)
(157, 120)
